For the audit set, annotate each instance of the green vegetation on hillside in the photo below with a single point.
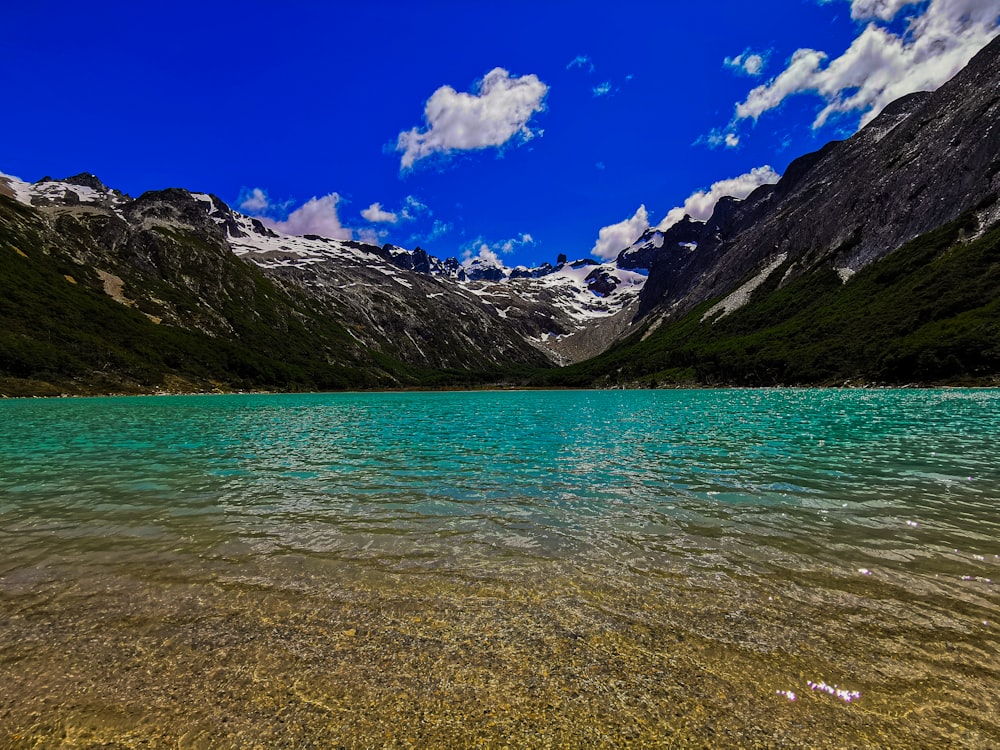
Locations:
(60, 332)
(200, 319)
(927, 313)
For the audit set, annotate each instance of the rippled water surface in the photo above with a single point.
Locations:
(717, 568)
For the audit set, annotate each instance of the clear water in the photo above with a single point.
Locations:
(713, 550)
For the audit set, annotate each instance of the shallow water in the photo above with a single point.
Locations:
(661, 568)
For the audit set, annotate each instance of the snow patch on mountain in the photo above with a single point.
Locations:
(741, 296)
(269, 248)
(83, 189)
(19, 189)
(582, 302)
(579, 292)
(205, 198)
(544, 305)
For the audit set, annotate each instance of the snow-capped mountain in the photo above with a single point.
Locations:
(873, 258)
(83, 189)
(573, 310)
(550, 307)
(389, 298)
(547, 305)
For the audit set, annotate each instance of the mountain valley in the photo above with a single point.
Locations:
(875, 260)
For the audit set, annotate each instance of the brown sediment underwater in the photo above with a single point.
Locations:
(300, 652)
(645, 569)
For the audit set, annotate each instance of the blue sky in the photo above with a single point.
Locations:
(562, 119)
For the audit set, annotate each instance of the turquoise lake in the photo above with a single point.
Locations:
(658, 568)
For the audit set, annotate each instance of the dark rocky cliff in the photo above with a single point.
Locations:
(925, 160)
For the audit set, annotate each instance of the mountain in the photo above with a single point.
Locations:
(871, 260)
(550, 308)
(175, 290)
(874, 260)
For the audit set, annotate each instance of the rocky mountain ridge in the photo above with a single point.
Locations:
(169, 255)
(873, 259)
(924, 161)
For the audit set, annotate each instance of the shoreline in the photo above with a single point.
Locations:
(992, 383)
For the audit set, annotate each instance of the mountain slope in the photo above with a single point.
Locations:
(69, 326)
(409, 302)
(927, 313)
(924, 161)
(110, 294)
(872, 260)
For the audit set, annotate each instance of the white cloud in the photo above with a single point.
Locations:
(255, 201)
(884, 9)
(509, 246)
(602, 89)
(438, 230)
(412, 208)
(614, 238)
(372, 236)
(483, 254)
(497, 112)
(493, 250)
(717, 138)
(316, 216)
(881, 65)
(700, 204)
(581, 61)
(747, 62)
(377, 215)
(796, 77)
